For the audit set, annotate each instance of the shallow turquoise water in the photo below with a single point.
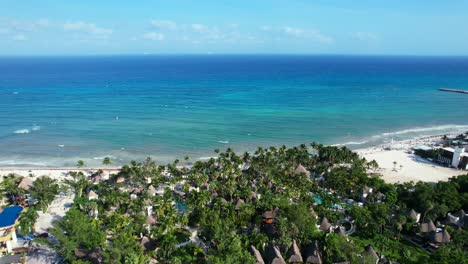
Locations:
(56, 110)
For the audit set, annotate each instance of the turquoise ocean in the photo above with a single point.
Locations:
(56, 110)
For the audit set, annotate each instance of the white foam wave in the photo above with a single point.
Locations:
(61, 146)
(351, 143)
(22, 131)
(447, 128)
(224, 141)
(206, 158)
(36, 128)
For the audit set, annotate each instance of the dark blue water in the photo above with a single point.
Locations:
(55, 110)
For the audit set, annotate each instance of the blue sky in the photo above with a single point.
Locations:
(397, 27)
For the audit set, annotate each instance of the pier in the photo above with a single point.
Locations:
(453, 90)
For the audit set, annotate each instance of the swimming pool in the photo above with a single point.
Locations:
(9, 215)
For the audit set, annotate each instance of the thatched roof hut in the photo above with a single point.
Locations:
(301, 170)
(460, 214)
(92, 256)
(325, 225)
(151, 190)
(273, 255)
(440, 237)
(257, 255)
(370, 251)
(270, 214)
(412, 214)
(150, 220)
(26, 184)
(294, 253)
(120, 180)
(148, 244)
(451, 220)
(427, 227)
(313, 254)
(239, 204)
(92, 195)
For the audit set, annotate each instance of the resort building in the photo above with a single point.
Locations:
(455, 157)
(8, 220)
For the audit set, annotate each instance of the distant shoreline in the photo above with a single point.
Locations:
(409, 167)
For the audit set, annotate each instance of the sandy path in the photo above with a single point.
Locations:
(56, 210)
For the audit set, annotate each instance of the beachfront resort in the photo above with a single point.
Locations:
(306, 204)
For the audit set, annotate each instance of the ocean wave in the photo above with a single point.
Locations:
(61, 146)
(351, 143)
(223, 141)
(448, 128)
(27, 130)
(22, 131)
(206, 158)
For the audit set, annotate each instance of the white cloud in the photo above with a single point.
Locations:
(296, 32)
(89, 28)
(19, 37)
(4, 30)
(164, 24)
(199, 28)
(364, 36)
(312, 34)
(153, 36)
(266, 28)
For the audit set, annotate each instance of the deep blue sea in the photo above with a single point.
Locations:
(56, 110)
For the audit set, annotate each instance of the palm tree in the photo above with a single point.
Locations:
(106, 161)
(44, 191)
(9, 186)
(80, 164)
(27, 221)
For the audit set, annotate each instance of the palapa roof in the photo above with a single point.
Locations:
(273, 255)
(26, 184)
(301, 170)
(427, 227)
(412, 214)
(120, 179)
(151, 190)
(370, 251)
(257, 255)
(93, 256)
(313, 254)
(270, 214)
(92, 195)
(460, 214)
(96, 179)
(150, 220)
(239, 203)
(325, 225)
(147, 243)
(380, 196)
(451, 220)
(441, 237)
(294, 253)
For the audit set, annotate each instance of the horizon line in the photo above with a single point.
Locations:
(233, 54)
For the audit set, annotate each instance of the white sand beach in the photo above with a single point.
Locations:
(54, 173)
(408, 167)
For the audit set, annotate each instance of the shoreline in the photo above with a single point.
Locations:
(409, 166)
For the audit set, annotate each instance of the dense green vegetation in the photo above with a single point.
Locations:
(223, 201)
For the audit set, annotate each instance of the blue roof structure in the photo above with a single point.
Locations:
(9, 215)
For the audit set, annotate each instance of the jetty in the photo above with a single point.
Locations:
(453, 90)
